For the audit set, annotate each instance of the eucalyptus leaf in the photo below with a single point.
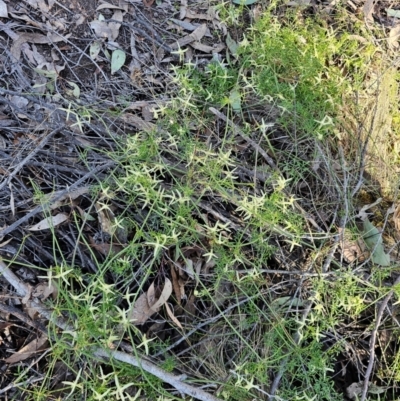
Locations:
(94, 49)
(244, 2)
(373, 240)
(393, 13)
(76, 92)
(235, 101)
(117, 60)
(232, 45)
(288, 301)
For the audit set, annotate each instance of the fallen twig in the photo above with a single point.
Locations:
(20, 165)
(373, 340)
(165, 376)
(236, 129)
(57, 197)
(297, 337)
(22, 316)
(138, 361)
(267, 158)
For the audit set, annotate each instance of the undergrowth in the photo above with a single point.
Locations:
(183, 189)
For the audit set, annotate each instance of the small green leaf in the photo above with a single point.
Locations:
(76, 92)
(232, 45)
(373, 240)
(393, 13)
(244, 2)
(94, 49)
(286, 301)
(235, 101)
(117, 60)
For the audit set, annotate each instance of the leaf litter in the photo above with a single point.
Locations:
(49, 52)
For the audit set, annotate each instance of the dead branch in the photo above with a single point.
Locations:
(373, 340)
(20, 165)
(59, 195)
(138, 361)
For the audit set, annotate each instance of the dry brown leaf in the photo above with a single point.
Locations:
(109, 6)
(197, 268)
(175, 284)
(195, 36)
(141, 311)
(104, 248)
(101, 29)
(368, 9)
(394, 36)
(124, 4)
(298, 3)
(362, 214)
(148, 113)
(172, 316)
(351, 249)
(5, 325)
(193, 15)
(49, 222)
(165, 294)
(3, 9)
(199, 32)
(135, 65)
(183, 9)
(203, 48)
(70, 195)
(153, 80)
(188, 26)
(190, 307)
(106, 219)
(396, 218)
(189, 268)
(5, 242)
(44, 290)
(138, 122)
(114, 26)
(182, 288)
(151, 295)
(29, 350)
(34, 38)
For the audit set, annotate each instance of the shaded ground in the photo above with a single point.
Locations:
(62, 109)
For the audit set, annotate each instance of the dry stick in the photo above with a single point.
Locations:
(26, 382)
(57, 197)
(42, 143)
(373, 340)
(142, 32)
(205, 323)
(266, 156)
(260, 150)
(22, 316)
(158, 372)
(297, 339)
(22, 290)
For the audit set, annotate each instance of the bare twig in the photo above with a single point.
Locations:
(373, 340)
(138, 361)
(22, 316)
(205, 323)
(267, 158)
(57, 197)
(236, 129)
(158, 372)
(20, 165)
(154, 39)
(297, 337)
